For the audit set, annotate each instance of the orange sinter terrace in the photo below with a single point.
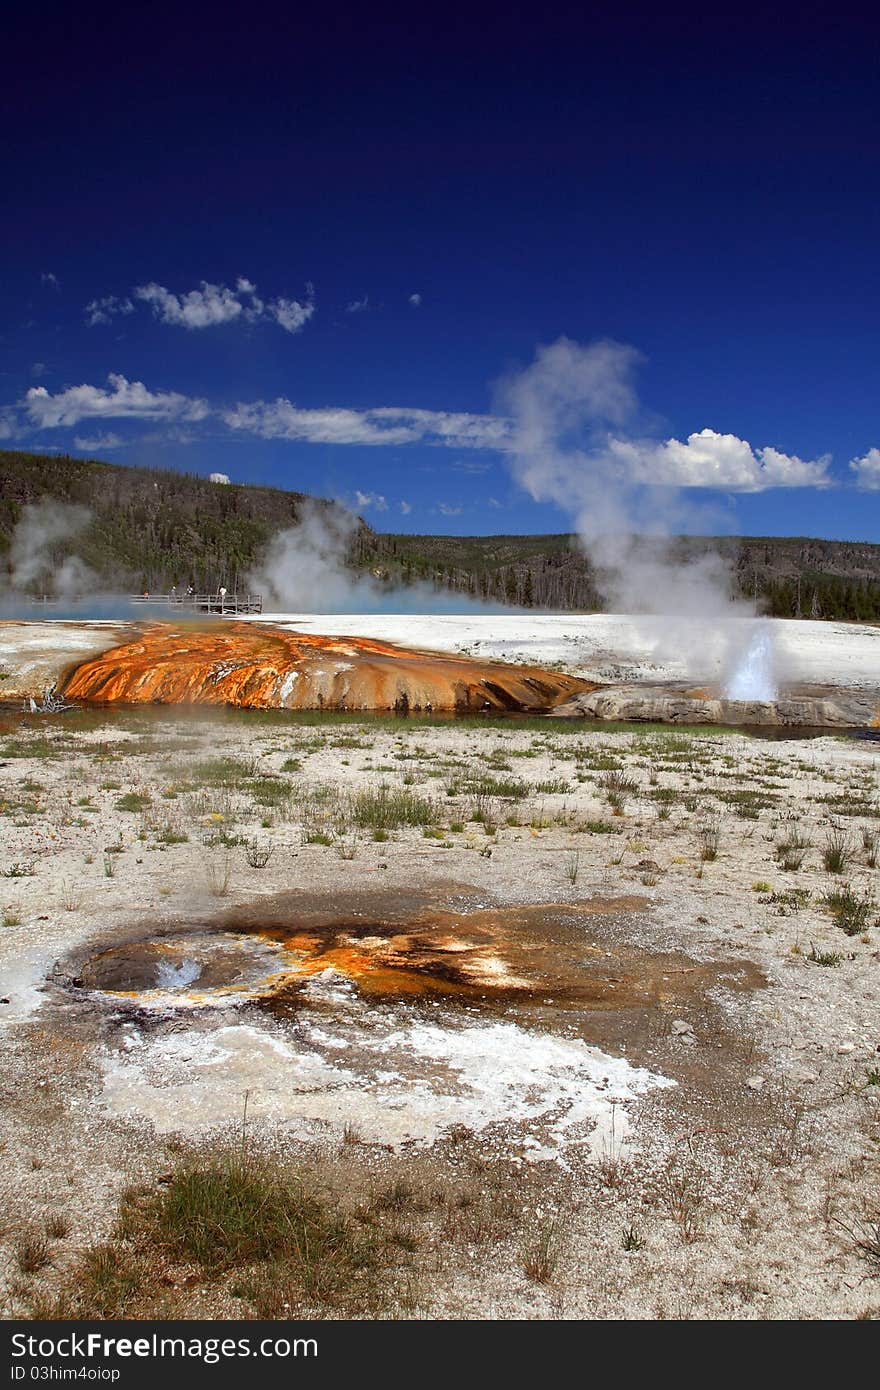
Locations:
(252, 665)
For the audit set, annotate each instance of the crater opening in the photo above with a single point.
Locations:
(194, 967)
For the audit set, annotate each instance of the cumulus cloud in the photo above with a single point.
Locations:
(223, 478)
(446, 509)
(103, 310)
(405, 507)
(711, 460)
(203, 308)
(211, 305)
(415, 300)
(123, 399)
(292, 314)
(98, 441)
(7, 426)
(867, 470)
(358, 306)
(367, 500)
(281, 419)
(48, 277)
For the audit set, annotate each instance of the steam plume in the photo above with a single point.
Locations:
(305, 570)
(575, 422)
(34, 553)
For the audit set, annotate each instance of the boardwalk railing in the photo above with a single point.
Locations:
(187, 603)
(205, 603)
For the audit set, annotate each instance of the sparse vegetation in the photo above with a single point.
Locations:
(838, 851)
(709, 839)
(853, 912)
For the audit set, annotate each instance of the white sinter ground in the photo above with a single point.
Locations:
(621, 647)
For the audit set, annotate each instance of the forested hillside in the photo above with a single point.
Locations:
(149, 529)
(786, 576)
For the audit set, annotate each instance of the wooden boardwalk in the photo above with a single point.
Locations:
(229, 605)
(203, 603)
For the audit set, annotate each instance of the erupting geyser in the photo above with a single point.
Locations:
(753, 677)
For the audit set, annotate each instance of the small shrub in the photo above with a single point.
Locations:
(631, 1240)
(838, 851)
(854, 914)
(388, 808)
(541, 1255)
(791, 849)
(823, 957)
(258, 854)
(133, 801)
(789, 900)
(218, 875)
(709, 838)
(20, 870)
(31, 1253)
(617, 787)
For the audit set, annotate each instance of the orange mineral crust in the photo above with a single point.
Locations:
(253, 665)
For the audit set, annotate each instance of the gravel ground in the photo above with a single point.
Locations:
(663, 1064)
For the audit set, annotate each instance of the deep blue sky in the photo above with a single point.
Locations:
(702, 187)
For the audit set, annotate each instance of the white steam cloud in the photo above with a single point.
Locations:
(304, 570)
(575, 442)
(34, 559)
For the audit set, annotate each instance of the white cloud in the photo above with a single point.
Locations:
(358, 306)
(867, 470)
(405, 507)
(203, 308)
(98, 441)
(218, 304)
(281, 419)
(374, 500)
(415, 300)
(48, 277)
(7, 426)
(447, 510)
(103, 310)
(711, 460)
(454, 428)
(493, 502)
(124, 399)
(292, 314)
(38, 369)
(219, 478)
